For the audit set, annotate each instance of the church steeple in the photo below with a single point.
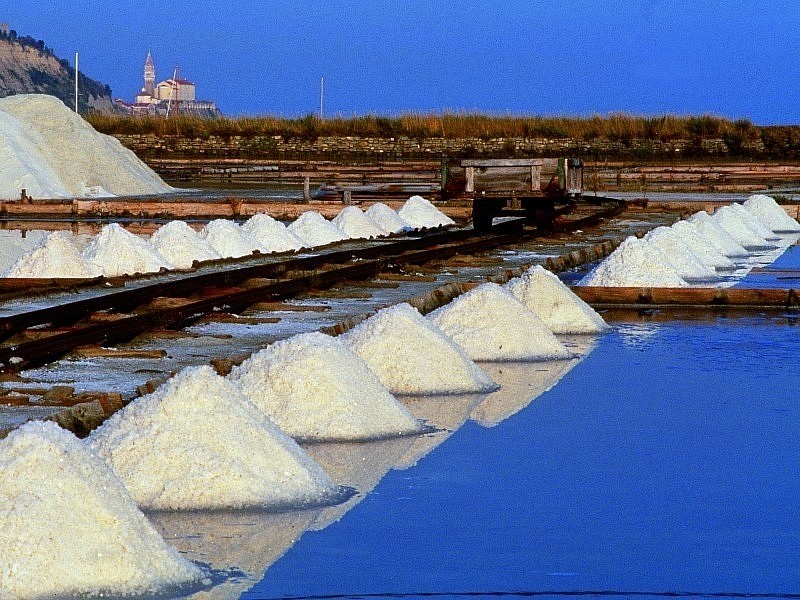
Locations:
(149, 76)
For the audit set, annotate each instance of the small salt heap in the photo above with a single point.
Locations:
(387, 218)
(14, 244)
(119, 252)
(411, 355)
(315, 388)
(271, 234)
(357, 225)
(421, 214)
(490, 324)
(197, 443)
(635, 263)
(315, 230)
(680, 257)
(738, 228)
(754, 222)
(69, 528)
(771, 214)
(56, 256)
(228, 239)
(557, 305)
(717, 236)
(181, 245)
(700, 247)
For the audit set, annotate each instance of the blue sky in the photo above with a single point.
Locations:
(732, 59)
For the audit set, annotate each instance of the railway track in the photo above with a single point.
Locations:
(98, 315)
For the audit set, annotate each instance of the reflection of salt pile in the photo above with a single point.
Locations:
(716, 235)
(635, 263)
(52, 152)
(357, 225)
(420, 214)
(558, 306)
(315, 230)
(700, 247)
(69, 528)
(490, 324)
(119, 252)
(196, 442)
(228, 239)
(387, 219)
(738, 227)
(410, 355)
(270, 234)
(313, 387)
(55, 257)
(14, 245)
(680, 257)
(765, 209)
(181, 245)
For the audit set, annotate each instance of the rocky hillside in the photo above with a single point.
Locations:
(27, 66)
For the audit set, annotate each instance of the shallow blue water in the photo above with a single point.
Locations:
(666, 461)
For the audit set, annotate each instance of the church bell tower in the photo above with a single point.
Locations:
(149, 76)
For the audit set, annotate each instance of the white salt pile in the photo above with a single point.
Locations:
(56, 256)
(490, 324)
(198, 443)
(680, 257)
(228, 239)
(14, 244)
(754, 222)
(700, 247)
(69, 528)
(313, 387)
(270, 234)
(181, 245)
(717, 236)
(411, 355)
(635, 263)
(50, 151)
(420, 214)
(557, 305)
(315, 230)
(357, 225)
(387, 218)
(769, 212)
(119, 252)
(738, 228)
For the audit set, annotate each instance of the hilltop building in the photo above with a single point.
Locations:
(171, 96)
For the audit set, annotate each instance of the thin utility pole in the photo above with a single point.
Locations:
(76, 82)
(321, 94)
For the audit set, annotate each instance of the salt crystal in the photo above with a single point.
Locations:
(387, 218)
(716, 235)
(738, 228)
(119, 252)
(314, 387)
(771, 214)
(492, 325)
(700, 247)
(680, 257)
(557, 305)
(55, 257)
(270, 234)
(69, 528)
(411, 355)
(315, 230)
(635, 263)
(421, 214)
(197, 443)
(228, 239)
(181, 245)
(357, 225)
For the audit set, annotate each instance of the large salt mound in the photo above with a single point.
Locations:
(491, 324)
(420, 214)
(716, 235)
(635, 263)
(357, 225)
(56, 256)
(198, 443)
(411, 355)
(754, 222)
(119, 252)
(771, 214)
(315, 230)
(738, 228)
(700, 247)
(55, 153)
(680, 257)
(315, 388)
(557, 305)
(228, 239)
(181, 245)
(69, 528)
(387, 218)
(270, 234)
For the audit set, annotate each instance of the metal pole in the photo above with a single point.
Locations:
(321, 94)
(76, 82)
